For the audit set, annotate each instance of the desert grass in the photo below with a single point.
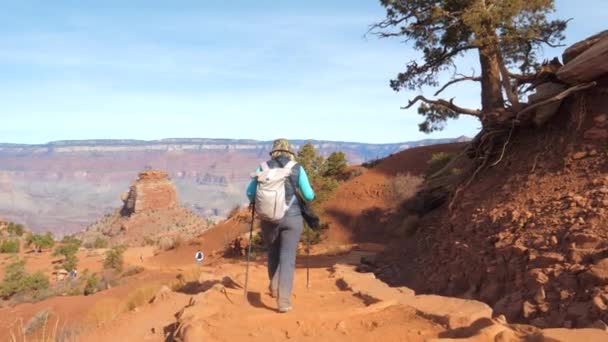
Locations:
(57, 331)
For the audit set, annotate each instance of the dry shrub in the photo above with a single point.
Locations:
(407, 227)
(52, 330)
(166, 243)
(403, 187)
(141, 296)
(103, 311)
(37, 321)
(191, 275)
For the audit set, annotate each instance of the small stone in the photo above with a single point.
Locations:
(598, 303)
(592, 153)
(554, 240)
(341, 327)
(540, 295)
(600, 119)
(579, 155)
(528, 309)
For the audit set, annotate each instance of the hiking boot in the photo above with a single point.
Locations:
(285, 309)
(273, 293)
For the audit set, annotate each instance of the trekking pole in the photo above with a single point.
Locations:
(249, 249)
(308, 258)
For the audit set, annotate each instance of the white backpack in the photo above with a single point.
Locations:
(270, 193)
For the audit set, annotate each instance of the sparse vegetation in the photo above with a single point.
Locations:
(437, 162)
(37, 321)
(101, 243)
(114, 258)
(141, 296)
(18, 281)
(166, 243)
(91, 286)
(133, 270)
(15, 229)
(10, 246)
(40, 241)
(403, 187)
(68, 248)
(315, 235)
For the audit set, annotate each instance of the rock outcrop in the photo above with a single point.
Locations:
(152, 191)
(529, 236)
(150, 215)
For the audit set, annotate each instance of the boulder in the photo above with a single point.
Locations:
(575, 50)
(588, 66)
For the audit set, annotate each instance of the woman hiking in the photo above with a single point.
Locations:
(282, 236)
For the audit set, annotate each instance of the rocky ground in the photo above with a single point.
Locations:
(529, 235)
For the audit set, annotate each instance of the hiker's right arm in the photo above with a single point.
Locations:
(304, 185)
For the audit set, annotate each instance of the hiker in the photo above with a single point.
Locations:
(281, 238)
(199, 256)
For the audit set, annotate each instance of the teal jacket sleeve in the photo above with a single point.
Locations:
(253, 184)
(304, 185)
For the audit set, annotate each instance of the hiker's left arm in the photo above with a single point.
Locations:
(253, 184)
(304, 185)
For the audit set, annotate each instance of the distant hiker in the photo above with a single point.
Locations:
(199, 256)
(141, 258)
(281, 215)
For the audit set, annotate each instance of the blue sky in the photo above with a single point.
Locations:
(149, 69)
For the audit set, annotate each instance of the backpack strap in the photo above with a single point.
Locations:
(290, 165)
(264, 166)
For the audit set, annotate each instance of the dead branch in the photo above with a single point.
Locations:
(461, 79)
(443, 103)
(555, 98)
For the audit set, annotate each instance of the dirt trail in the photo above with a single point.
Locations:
(340, 305)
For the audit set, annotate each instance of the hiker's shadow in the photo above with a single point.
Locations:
(255, 299)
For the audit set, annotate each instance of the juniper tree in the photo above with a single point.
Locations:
(506, 36)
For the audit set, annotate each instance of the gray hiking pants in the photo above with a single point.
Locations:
(282, 243)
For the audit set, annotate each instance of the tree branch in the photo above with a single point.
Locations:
(461, 79)
(555, 98)
(443, 103)
(506, 84)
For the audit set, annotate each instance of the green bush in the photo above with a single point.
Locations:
(9, 246)
(18, 281)
(71, 240)
(15, 229)
(114, 258)
(335, 164)
(41, 241)
(91, 286)
(68, 250)
(437, 162)
(100, 243)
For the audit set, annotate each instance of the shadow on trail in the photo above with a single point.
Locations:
(195, 287)
(255, 299)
